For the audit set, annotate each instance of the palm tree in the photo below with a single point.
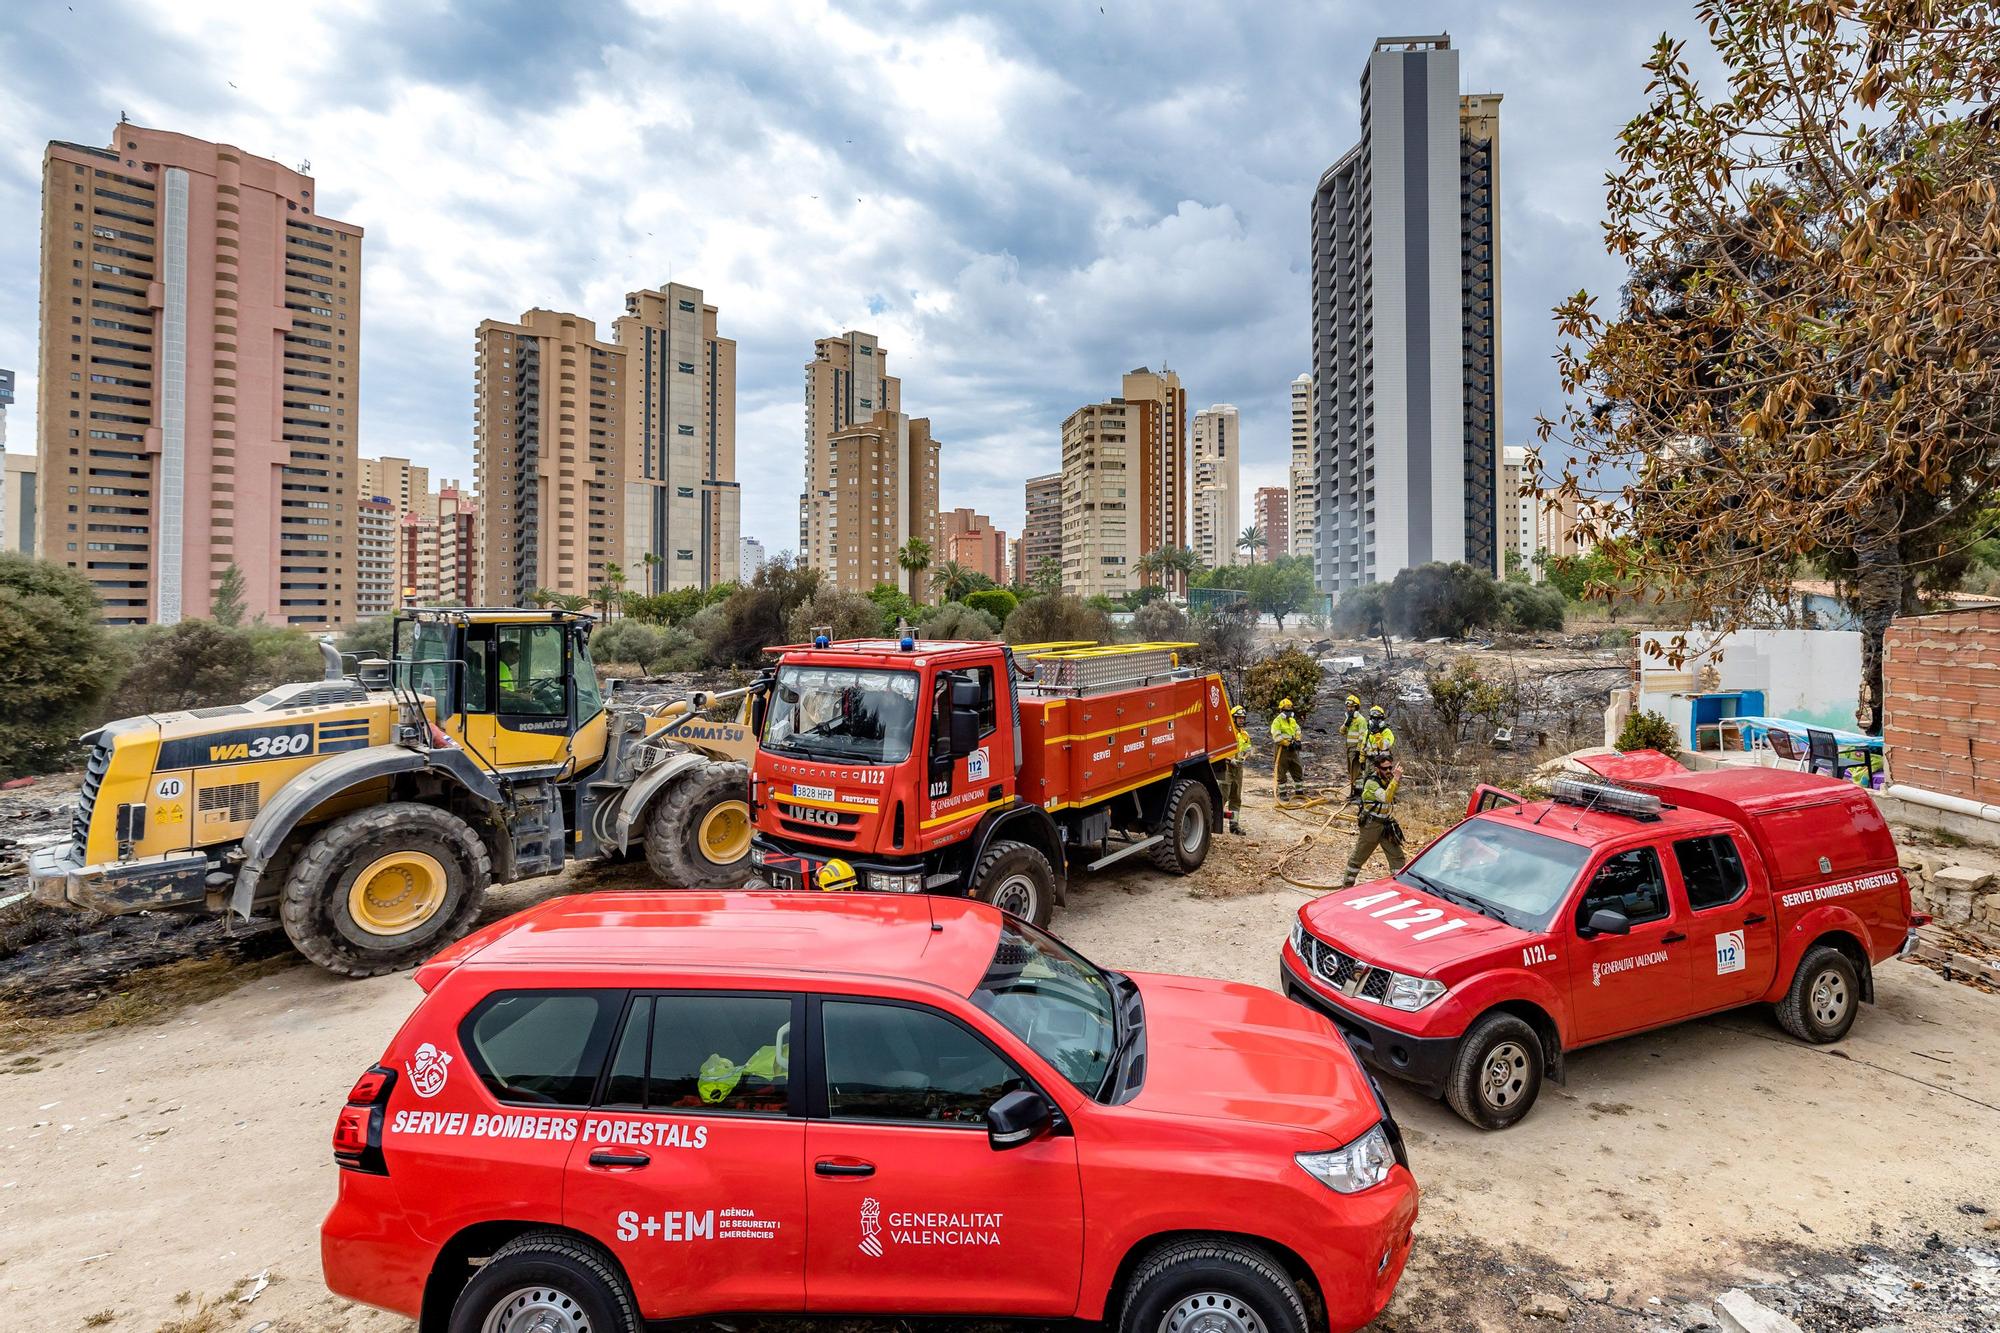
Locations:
(565, 601)
(1252, 541)
(543, 596)
(1170, 566)
(914, 556)
(652, 562)
(952, 581)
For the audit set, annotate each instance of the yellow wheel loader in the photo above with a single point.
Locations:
(370, 811)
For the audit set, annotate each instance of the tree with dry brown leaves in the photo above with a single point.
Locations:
(1805, 369)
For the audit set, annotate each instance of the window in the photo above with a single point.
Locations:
(898, 1062)
(1711, 870)
(1631, 883)
(529, 668)
(684, 367)
(1054, 1000)
(988, 710)
(705, 1053)
(583, 678)
(542, 1047)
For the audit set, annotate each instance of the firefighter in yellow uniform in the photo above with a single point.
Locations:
(1285, 734)
(1232, 771)
(1380, 743)
(1377, 825)
(1354, 734)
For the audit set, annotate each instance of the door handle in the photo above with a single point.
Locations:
(1673, 937)
(605, 1157)
(843, 1166)
(1755, 919)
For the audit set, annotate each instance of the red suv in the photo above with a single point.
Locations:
(616, 1109)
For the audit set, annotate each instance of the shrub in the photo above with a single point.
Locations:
(1225, 637)
(367, 638)
(754, 616)
(1363, 611)
(630, 641)
(895, 604)
(958, 620)
(193, 664)
(1056, 617)
(843, 615)
(1531, 606)
(1648, 731)
(56, 663)
(1442, 601)
(1288, 673)
(995, 602)
(1160, 622)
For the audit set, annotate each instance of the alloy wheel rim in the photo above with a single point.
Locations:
(397, 892)
(1506, 1075)
(1210, 1312)
(536, 1310)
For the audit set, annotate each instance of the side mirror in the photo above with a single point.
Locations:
(964, 730)
(1018, 1118)
(1605, 921)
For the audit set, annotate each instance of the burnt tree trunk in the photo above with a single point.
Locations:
(1881, 585)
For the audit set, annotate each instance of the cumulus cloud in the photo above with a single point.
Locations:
(1021, 201)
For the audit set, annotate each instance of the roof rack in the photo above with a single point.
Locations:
(1108, 666)
(1609, 798)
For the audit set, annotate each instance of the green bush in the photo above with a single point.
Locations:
(56, 663)
(630, 641)
(1648, 731)
(995, 602)
(1057, 617)
(895, 605)
(843, 615)
(193, 664)
(1288, 673)
(736, 630)
(958, 620)
(367, 638)
(1441, 600)
(1529, 607)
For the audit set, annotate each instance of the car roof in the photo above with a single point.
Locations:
(940, 941)
(1591, 828)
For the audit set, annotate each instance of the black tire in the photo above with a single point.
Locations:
(316, 907)
(569, 1273)
(691, 803)
(1498, 1072)
(1188, 826)
(1210, 1275)
(1824, 997)
(1016, 878)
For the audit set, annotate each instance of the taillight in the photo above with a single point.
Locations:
(357, 1131)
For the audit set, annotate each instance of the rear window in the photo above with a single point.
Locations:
(541, 1048)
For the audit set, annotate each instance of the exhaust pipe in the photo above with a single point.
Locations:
(332, 656)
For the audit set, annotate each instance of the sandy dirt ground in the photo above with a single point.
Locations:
(170, 1175)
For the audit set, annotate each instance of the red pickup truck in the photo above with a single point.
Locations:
(1534, 928)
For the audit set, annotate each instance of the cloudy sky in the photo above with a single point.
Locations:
(1022, 200)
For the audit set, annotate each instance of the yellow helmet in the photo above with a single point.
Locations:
(1354, 701)
(1238, 711)
(1284, 705)
(835, 875)
(1378, 712)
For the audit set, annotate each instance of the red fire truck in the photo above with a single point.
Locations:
(984, 769)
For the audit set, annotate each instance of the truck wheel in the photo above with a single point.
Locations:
(385, 888)
(1824, 997)
(698, 834)
(546, 1280)
(1188, 823)
(1017, 879)
(1498, 1073)
(1212, 1286)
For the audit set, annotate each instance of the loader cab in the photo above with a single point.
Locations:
(516, 688)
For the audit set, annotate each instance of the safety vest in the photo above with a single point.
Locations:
(1355, 730)
(1377, 796)
(1242, 743)
(1380, 742)
(506, 675)
(1285, 729)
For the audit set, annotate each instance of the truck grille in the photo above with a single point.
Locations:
(240, 800)
(93, 778)
(1343, 971)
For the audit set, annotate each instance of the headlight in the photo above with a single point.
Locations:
(887, 882)
(1361, 1165)
(1411, 992)
(1299, 940)
(756, 856)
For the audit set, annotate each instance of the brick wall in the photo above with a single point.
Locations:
(1942, 724)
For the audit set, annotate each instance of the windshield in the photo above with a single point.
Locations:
(1054, 1000)
(1522, 874)
(843, 714)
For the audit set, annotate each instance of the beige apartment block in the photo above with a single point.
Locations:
(1041, 533)
(439, 551)
(1270, 510)
(548, 429)
(200, 360)
(402, 483)
(682, 505)
(882, 490)
(377, 533)
(1164, 488)
(1301, 511)
(1104, 456)
(1218, 449)
(847, 382)
(1518, 512)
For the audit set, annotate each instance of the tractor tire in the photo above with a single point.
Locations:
(383, 889)
(1212, 1282)
(1188, 826)
(698, 832)
(1824, 997)
(1017, 879)
(566, 1279)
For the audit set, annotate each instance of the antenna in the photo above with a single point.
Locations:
(305, 166)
